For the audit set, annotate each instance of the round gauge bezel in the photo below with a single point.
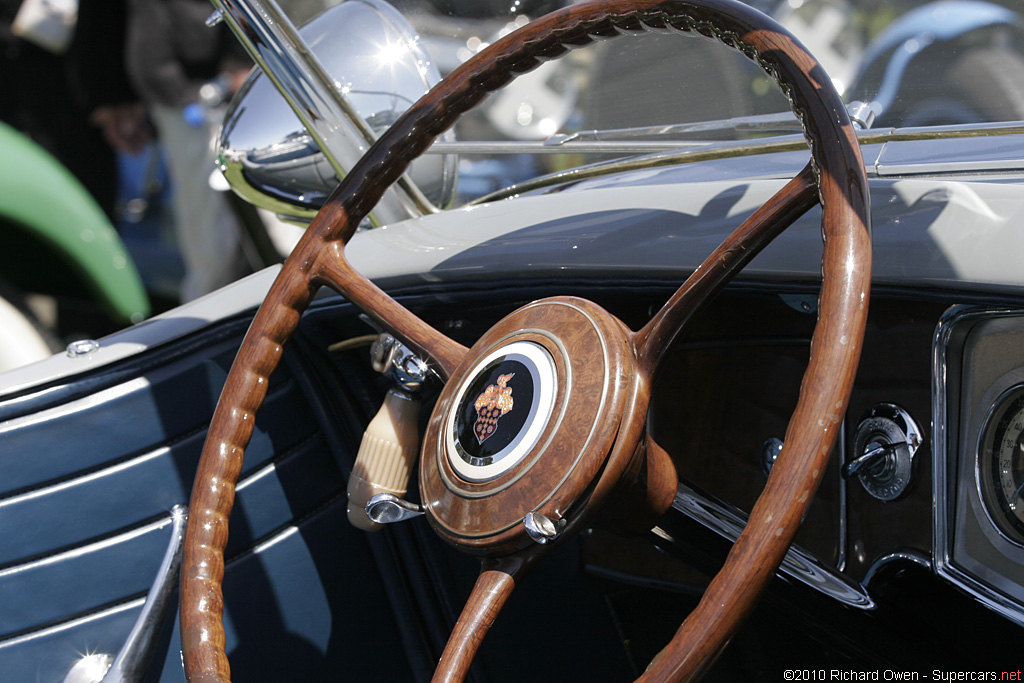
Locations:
(998, 420)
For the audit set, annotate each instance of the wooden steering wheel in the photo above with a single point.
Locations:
(578, 377)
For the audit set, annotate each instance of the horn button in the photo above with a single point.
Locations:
(527, 424)
(500, 411)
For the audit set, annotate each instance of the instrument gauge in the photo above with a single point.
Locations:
(1001, 465)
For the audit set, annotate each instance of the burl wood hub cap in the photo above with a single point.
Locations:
(526, 423)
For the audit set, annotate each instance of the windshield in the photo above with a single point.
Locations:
(906, 63)
(920, 63)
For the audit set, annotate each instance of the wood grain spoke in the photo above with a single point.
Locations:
(492, 590)
(334, 270)
(731, 256)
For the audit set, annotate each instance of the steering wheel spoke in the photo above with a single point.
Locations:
(731, 256)
(333, 269)
(493, 588)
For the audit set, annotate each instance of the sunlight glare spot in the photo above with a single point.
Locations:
(392, 53)
(92, 667)
(548, 126)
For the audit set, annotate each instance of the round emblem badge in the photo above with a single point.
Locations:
(501, 411)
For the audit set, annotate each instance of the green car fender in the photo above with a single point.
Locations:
(56, 237)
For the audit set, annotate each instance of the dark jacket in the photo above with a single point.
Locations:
(171, 52)
(50, 97)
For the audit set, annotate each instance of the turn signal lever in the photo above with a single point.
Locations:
(390, 444)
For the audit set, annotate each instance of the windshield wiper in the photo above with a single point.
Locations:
(782, 122)
(619, 140)
(629, 140)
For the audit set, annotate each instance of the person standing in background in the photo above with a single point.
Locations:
(99, 80)
(74, 98)
(171, 54)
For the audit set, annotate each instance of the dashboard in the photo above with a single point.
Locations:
(939, 389)
(726, 390)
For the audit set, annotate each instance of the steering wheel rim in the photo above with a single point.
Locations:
(319, 259)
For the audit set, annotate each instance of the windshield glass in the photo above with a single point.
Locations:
(922, 63)
(910, 63)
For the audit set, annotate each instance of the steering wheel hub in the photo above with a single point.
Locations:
(500, 411)
(526, 423)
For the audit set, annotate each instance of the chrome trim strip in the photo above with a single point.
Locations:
(132, 661)
(940, 436)
(905, 556)
(942, 520)
(844, 519)
(797, 564)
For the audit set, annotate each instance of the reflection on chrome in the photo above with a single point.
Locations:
(321, 91)
(798, 563)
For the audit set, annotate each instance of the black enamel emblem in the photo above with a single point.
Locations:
(493, 412)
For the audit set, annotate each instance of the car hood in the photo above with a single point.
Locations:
(945, 217)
